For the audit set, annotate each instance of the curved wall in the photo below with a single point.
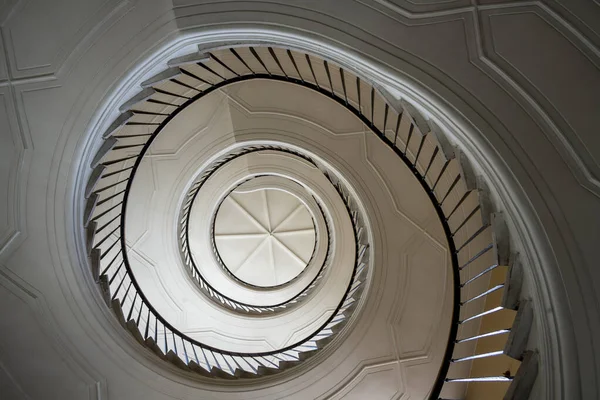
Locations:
(514, 83)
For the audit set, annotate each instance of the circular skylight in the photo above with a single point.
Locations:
(265, 237)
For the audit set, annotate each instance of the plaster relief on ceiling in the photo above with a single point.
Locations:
(150, 278)
(145, 180)
(9, 387)
(380, 381)
(434, 35)
(295, 335)
(423, 6)
(419, 320)
(263, 97)
(234, 341)
(26, 333)
(395, 178)
(41, 35)
(3, 60)
(534, 62)
(215, 111)
(476, 46)
(265, 237)
(5, 8)
(12, 153)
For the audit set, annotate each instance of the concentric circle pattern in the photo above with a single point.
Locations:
(278, 189)
(305, 196)
(265, 237)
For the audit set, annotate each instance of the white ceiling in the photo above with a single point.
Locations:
(56, 74)
(265, 237)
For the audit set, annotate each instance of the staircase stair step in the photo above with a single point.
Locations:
(116, 307)
(263, 371)
(219, 373)
(307, 354)
(175, 360)
(197, 368)
(348, 311)
(133, 328)
(338, 327)
(289, 364)
(241, 373)
(104, 289)
(325, 341)
(151, 344)
(516, 344)
(524, 380)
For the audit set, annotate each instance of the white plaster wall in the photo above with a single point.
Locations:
(518, 79)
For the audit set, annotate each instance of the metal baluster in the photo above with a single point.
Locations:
(489, 291)
(291, 56)
(137, 123)
(462, 199)
(494, 333)
(373, 106)
(440, 175)
(272, 52)
(410, 131)
(235, 53)
(209, 69)
(344, 86)
(255, 54)
(473, 236)
(109, 249)
(419, 150)
(358, 91)
(137, 321)
(110, 197)
(147, 325)
(115, 172)
(483, 314)
(142, 112)
(312, 71)
(164, 103)
(114, 296)
(221, 63)
(466, 219)
(479, 275)
(185, 85)
(126, 292)
(476, 256)
(132, 307)
(115, 274)
(329, 77)
(118, 160)
(163, 91)
(98, 191)
(397, 128)
(106, 225)
(450, 189)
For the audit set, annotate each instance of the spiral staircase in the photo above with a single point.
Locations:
(486, 338)
(261, 200)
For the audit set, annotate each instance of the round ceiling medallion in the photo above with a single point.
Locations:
(265, 237)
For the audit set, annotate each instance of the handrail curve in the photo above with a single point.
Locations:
(472, 229)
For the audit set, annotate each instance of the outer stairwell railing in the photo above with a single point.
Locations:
(475, 233)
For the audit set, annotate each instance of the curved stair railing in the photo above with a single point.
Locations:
(476, 235)
(216, 295)
(137, 315)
